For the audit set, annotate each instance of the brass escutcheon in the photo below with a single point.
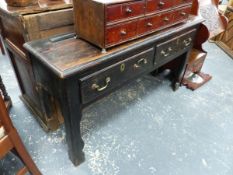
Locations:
(122, 67)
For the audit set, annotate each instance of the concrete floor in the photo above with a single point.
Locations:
(142, 129)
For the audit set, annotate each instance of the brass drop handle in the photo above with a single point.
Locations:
(170, 49)
(140, 62)
(98, 88)
(166, 19)
(187, 42)
(149, 24)
(183, 14)
(161, 3)
(129, 10)
(165, 54)
(123, 32)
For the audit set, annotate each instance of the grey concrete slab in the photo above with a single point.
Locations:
(144, 128)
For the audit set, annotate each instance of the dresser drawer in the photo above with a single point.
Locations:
(105, 80)
(182, 14)
(148, 24)
(186, 40)
(118, 33)
(124, 11)
(157, 5)
(168, 49)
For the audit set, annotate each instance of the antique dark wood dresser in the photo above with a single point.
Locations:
(22, 24)
(111, 22)
(76, 73)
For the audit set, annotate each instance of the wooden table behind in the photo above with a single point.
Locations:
(22, 24)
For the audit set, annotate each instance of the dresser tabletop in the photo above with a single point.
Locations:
(37, 7)
(70, 56)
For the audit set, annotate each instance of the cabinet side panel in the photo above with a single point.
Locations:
(12, 29)
(89, 17)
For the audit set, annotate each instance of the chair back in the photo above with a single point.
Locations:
(9, 139)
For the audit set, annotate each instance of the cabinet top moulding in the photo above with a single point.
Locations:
(114, 1)
(110, 2)
(37, 7)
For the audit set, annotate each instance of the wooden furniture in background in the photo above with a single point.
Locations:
(214, 21)
(214, 24)
(20, 3)
(22, 24)
(76, 73)
(4, 94)
(225, 39)
(10, 139)
(230, 3)
(109, 23)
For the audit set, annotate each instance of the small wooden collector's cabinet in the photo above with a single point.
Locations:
(107, 23)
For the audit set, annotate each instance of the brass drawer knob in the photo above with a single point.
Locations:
(149, 24)
(187, 42)
(161, 3)
(98, 88)
(123, 32)
(140, 62)
(183, 14)
(129, 10)
(166, 53)
(166, 19)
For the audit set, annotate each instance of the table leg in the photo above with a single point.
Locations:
(179, 73)
(69, 98)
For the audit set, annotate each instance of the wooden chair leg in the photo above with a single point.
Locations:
(24, 155)
(22, 171)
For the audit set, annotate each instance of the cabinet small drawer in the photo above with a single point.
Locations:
(133, 9)
(113, 12)
(167, 19)
(148, 24)
(168, 49)
(124, 11)
(182, 14)
(118, 33)
(155, 5)
(105, 80)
